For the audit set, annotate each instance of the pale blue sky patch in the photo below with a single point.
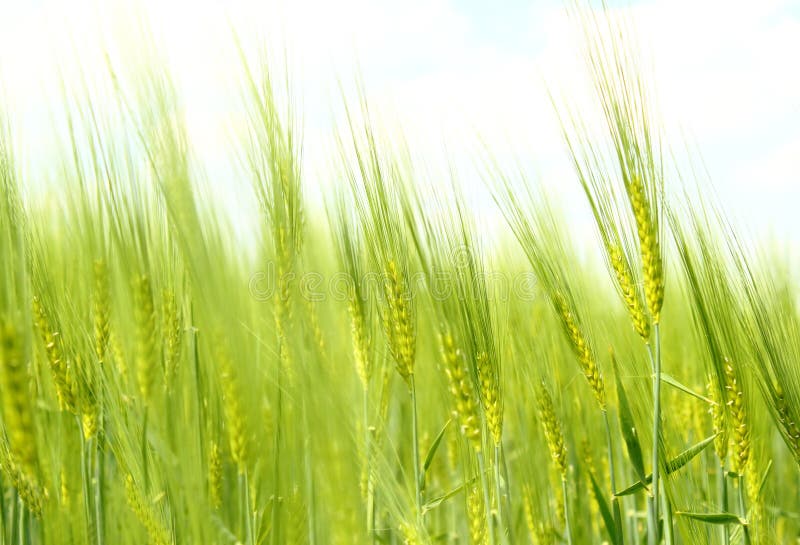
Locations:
(725, 72)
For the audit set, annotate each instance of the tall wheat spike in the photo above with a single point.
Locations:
(145, 320)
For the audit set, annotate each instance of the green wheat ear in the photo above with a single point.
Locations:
(16, 402)
(144, 511)
(101, 309)
(476, 515)
(52, 341)
(172, 327)
(740, 425)
(232, 406)
(582, 349)
(145, 332)
(398, 321)
(719, 423)
(465, 407)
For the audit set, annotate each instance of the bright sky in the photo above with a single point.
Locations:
(726, 71)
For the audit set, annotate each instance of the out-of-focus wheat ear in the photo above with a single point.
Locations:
(589, 467)
(410, 534)
(630, 295)
(476, 516)
(718, 422)
(16, 398)
(583, 351)
(649, 246)
(282, 298)
(55, 356)
(530, 517)
(787, 422)
(32, 494)
(552, 431)
(490, 397)
(740, 426)
(172, 326)
(360, 338)
(756, 506)
(64, 491)
(232, 406)
(297, 527)
(317, 334)
(87, 402)
(465, 406)
(157, 531)
(398, 321)
(145, 324)
(215, 475)
(101, 309)
(118, 353)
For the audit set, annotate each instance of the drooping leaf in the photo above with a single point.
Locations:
(667, 379)
(628, 426)
(673, 465)
(436, 502)
(431, 452)
(714, 518)
(605, 511)
(684, 457)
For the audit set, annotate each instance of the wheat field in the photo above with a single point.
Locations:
(379, 371)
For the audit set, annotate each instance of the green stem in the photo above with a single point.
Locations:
(368, 469)
(652, 522)
(87, 508)
(250, 539)
(656, 361)
(99, 506)
(743, 510)
(722, 489)
(2, 511)
(501, 523)
(415, 448)
(567, 529)
(668, 533)
(487, 500)
(277, 447)
(145, 470)
(308, 465)
(507, 482)
(12, 516)
(612, 478)
(21, 522)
